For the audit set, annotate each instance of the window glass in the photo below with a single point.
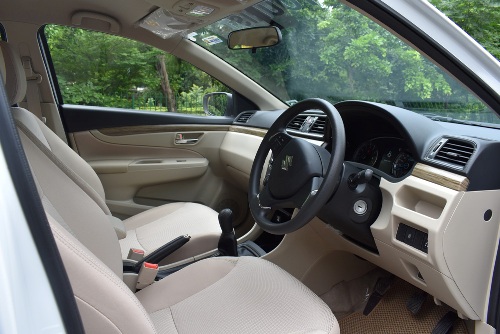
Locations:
(479, 18)
(331, 51)
(98, 69)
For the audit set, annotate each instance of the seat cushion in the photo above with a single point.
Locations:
(153, 228)
(235, 295)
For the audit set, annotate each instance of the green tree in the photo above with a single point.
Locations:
(98, 69)
(479, 18)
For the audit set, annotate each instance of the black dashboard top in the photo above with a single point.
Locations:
(392, 140)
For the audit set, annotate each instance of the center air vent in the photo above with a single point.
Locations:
(244, 117)
(453, 151)
(297, 122)
(319, 125)
(313, 124)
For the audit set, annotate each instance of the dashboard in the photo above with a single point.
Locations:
(392, 141)
(435, 188)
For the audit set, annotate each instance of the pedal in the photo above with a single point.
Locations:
(445, 325)
(416, 301)
(381, 287)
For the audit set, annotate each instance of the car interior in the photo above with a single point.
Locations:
(274, 217)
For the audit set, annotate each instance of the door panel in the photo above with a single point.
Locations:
(145, 166)
(144, 158)
(122, 178)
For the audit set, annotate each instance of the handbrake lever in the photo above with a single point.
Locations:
(162, 252)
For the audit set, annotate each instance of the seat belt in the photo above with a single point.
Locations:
(33, 92)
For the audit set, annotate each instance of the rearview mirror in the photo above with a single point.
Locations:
(253, 38)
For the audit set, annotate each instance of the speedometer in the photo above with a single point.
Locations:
(366, 154)
(402, 164)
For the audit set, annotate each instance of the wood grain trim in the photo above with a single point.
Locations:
(248, 131)
(148, 129)
(441, 177)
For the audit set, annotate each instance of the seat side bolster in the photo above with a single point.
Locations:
(185, 283)
(48, 141)
(71, 159)
(100, 293)
(32, 132)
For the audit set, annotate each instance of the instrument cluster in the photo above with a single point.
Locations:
(387, 154)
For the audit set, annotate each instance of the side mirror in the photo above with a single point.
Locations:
(217, 104)
(253, 38)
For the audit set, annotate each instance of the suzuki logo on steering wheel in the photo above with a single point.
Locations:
(287, 162)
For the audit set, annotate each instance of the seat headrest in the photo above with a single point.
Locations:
(14, 76)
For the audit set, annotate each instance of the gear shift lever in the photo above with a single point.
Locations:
(227, 242)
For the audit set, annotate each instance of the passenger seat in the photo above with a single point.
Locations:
(148, 230)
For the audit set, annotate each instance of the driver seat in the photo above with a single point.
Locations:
(216, 295)
(148, 230)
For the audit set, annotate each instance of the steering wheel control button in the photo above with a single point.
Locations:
(278, 142)
(360, 207)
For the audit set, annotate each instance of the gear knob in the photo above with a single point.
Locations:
(226, 220)
(227, 242)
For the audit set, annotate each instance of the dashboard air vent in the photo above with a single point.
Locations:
(311, 124)
(244, 117)
(454, 151)
(319, 125)
(297, 122)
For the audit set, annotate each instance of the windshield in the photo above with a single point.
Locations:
(332, 52)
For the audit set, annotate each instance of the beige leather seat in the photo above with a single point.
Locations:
(218, 295)
(148, 230)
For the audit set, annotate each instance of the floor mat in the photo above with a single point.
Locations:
(391, 315)
(349, 297)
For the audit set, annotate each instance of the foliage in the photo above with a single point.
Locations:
(479, 18)
(333, 52)
(104, 70)
(370, 61)
(328, 51)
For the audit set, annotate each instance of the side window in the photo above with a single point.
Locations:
(97, 69)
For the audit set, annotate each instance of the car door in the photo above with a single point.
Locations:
(136, 115)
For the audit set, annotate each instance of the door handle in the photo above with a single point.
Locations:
(181, 139)
(186, 141)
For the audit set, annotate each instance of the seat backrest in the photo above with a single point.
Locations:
(85, 238)
(40, 134)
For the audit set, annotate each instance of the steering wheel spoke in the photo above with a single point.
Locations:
(311, 191)
(265, 199)
(261, 204)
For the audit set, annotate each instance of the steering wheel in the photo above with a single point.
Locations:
(300, 174)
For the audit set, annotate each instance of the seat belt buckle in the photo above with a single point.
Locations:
(135, 254)
(147, 275)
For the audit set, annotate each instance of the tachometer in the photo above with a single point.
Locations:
(402, 164)
(366, 154)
